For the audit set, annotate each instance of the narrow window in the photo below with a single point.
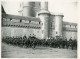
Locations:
(29, 21)
(51, 25)
(75, 26)
(10, 19)
(39, 22)
(70, 26)
(56, 32)
(20, 20)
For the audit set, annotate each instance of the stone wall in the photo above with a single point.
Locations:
(69, 34)
(70, 30)
(19, 26)
(14, 31)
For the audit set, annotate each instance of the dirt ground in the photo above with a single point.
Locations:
(9, 51)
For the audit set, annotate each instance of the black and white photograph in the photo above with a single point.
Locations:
(39, 29)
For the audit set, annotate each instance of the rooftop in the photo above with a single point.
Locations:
(2, 9)
(58, 14)
(43, 11)
(69, 23)
(21, 17)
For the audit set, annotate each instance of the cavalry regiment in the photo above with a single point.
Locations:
(32, 42)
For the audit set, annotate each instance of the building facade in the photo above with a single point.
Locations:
(35, 19)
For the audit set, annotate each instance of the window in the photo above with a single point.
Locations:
(51, 25)
(10, 19)
(70, 25)
(39, 4)
(28, 26)
(56, 32)
(76, 26)
(42, 23)
(39, 22)
(14, 25)
(29, 21)
(20, 20)
(67, 25)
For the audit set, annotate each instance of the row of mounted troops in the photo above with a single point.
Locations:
(32, 42)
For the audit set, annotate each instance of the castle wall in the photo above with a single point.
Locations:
(69, 34)
(19, 26)
(70, 30)
(14, 31)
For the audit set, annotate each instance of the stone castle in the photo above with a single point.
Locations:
(35, 19)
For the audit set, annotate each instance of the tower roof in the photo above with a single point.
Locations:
(43, 12)
(2, 9)
(57, 14)
(69, 23)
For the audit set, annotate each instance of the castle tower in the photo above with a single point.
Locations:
(52, 26)
(58, 24)
(44, 17)
(27, 9)
(44, 6)
(21, 9)
(37, 8)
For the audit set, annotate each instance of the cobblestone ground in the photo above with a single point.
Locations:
(9, 51)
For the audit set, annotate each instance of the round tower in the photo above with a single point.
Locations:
(52, 26)
(21, 9)
(58, 24)
(44, 5)
(44, 16)
(28, 9)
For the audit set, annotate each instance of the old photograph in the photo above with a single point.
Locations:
(39, 29)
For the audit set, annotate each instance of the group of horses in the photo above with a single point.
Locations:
(32, 42)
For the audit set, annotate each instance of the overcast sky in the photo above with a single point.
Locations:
(68, 8)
